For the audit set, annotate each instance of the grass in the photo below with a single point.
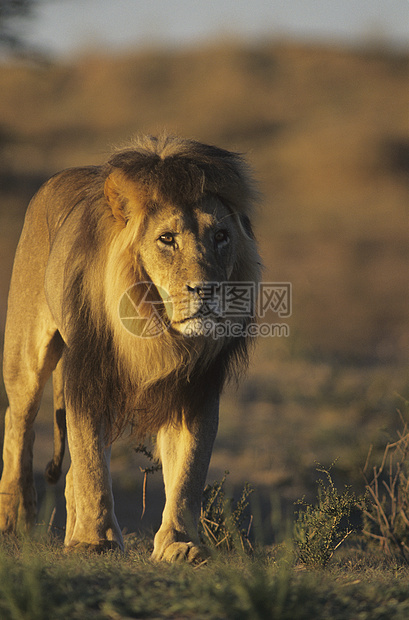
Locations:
(221, 521)
(38, 581)
(386, 505)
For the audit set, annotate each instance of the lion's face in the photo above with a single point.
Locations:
(187, 253)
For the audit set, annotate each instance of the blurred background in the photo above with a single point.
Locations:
(316, 95)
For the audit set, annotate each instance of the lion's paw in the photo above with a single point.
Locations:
(183, 552)
(102, 546)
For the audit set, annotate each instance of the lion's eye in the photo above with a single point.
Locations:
(167, 238)
(221, 236)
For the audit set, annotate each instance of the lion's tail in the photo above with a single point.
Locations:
(54, 467)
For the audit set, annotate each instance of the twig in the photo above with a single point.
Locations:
(50, 524)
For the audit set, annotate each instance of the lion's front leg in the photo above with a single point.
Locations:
(91, 521)
(17, 492)
(185, 453)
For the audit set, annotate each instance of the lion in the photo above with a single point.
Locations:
(116, 291)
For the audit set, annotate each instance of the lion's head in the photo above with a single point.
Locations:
(187, 253)
(170, 227)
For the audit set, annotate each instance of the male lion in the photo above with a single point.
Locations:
(118, 274)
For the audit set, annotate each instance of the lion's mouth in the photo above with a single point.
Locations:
(202, 314)
(196, 325)
(200, 321)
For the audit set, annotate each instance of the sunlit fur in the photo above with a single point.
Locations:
(145, 383)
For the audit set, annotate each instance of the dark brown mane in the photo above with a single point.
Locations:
(103, 388)
(182, 171)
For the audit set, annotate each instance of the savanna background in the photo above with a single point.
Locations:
(325, 127)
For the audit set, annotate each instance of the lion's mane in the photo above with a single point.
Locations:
(114, 378)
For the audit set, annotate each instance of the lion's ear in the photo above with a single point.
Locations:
(115, 193)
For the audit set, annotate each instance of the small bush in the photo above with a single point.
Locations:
(386, 510)
(221, 522)
(319, 530)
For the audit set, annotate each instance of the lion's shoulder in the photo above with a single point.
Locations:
(63, 192)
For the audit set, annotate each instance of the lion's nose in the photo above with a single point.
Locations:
(196, 289)
(206, 296)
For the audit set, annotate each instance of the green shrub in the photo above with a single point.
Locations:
(319, 530)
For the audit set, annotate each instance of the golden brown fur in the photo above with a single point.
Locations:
(163, 217)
